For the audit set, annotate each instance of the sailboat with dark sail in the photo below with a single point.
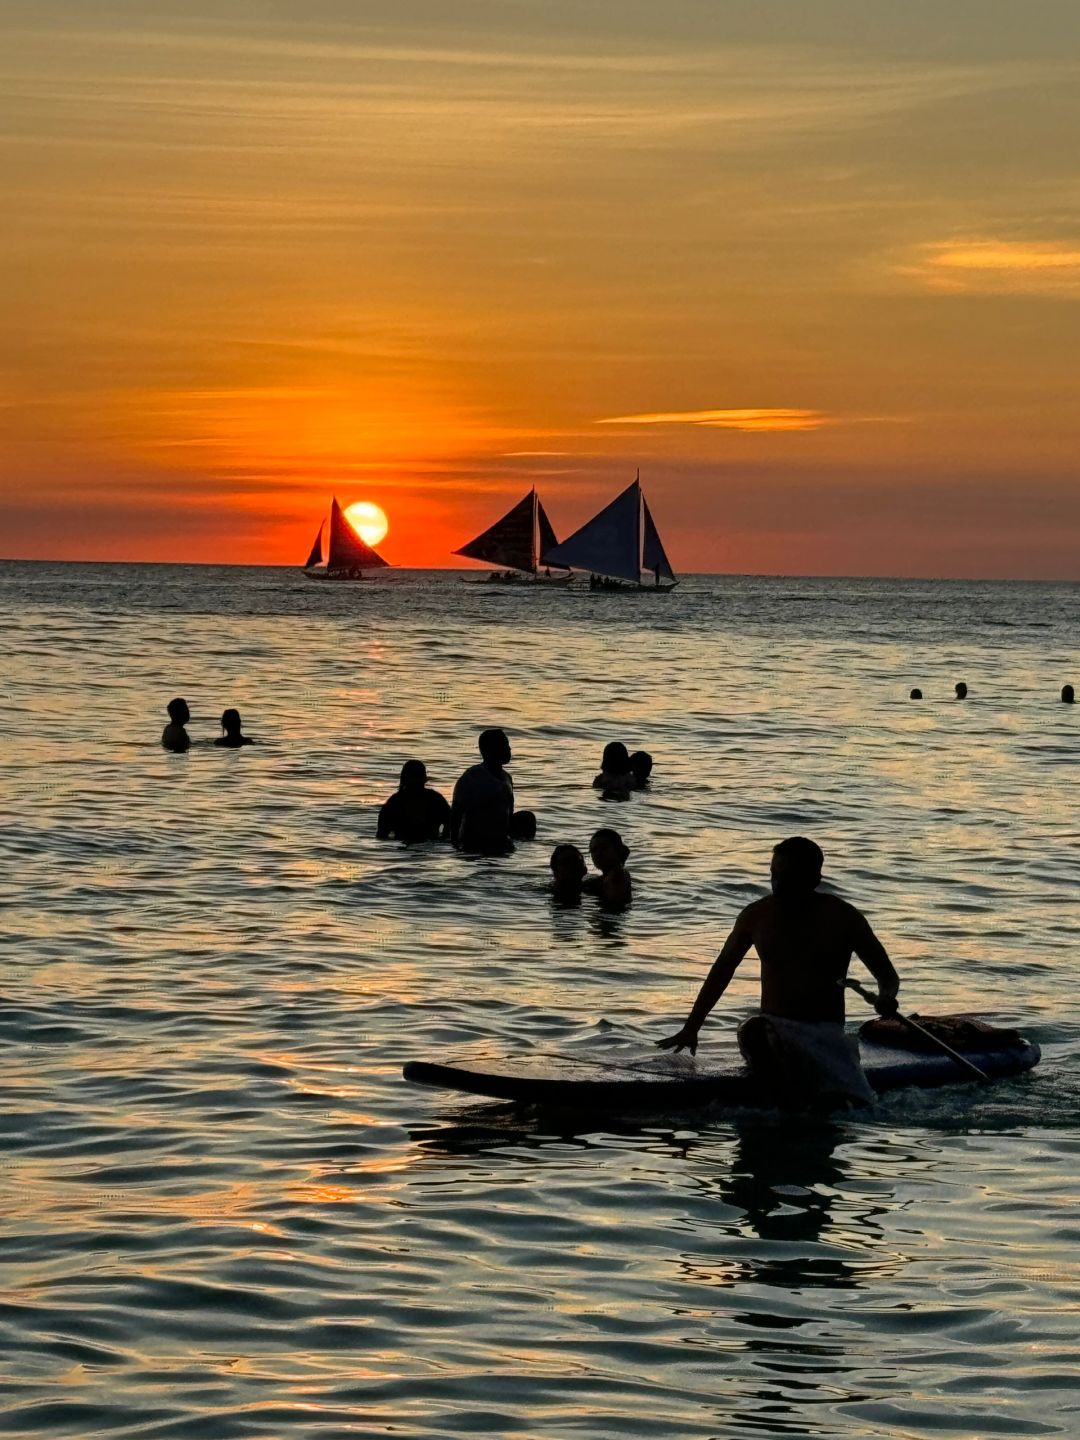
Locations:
(616, 546)
(338, 552)
(515, 544)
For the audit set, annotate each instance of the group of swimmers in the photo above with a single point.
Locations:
(482, 819)
(176, 738)
(1068, 695)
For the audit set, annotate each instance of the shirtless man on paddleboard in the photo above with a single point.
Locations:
(805, 942)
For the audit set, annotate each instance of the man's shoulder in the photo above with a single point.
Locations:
(756, 910)
(841, 912)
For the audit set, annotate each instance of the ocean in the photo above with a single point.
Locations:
(224, 1212)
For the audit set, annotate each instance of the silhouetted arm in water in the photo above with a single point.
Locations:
(385, 830)
(718, 979)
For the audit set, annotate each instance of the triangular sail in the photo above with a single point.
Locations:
(545, 533)
(509, 542)
(347, 551)
(653, 555)
(316, 550)
(609, 543)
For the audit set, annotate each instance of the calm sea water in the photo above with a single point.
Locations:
(224, 1213)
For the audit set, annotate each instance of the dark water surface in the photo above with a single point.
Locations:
(224, 1212)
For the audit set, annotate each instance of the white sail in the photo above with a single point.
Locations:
(609, 543)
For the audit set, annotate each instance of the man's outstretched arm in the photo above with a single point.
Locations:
(716, 982)
(872, 953)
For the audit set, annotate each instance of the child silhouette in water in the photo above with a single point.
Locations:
(609, 855)
(568, 871)
(230, 731)
(174, 737)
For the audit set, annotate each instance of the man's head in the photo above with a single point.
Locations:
(1068, 695)
(796, 866)
(915, 695)
(230, 722)
(961, 690)
(413, 775)
(523, 825)
(494, 747)
(178, 710)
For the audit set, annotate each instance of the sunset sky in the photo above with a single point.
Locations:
(814, 267)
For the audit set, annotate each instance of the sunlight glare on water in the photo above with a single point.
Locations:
(226, 1215)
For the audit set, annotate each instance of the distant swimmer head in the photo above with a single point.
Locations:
(961, 690)
(1067, 695)
(616, 759)
(607, 850)
(413, 775)
(568, 867)
(230, 722)
(641, 766)
(796, 866)
(495, 747)
(178, 710)
(915, 695)
(523, 825)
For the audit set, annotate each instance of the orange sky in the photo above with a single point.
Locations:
(815, 269)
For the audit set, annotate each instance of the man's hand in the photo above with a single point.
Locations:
(686, 1039)
(886, 1006)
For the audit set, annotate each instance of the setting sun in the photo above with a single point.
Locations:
(368, 520)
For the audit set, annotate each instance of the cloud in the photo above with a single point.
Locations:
(998, 267)
(754, 420)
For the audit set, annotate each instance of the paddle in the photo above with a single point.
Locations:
(882, 1008)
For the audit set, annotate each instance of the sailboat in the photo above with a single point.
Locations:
(515, 543)
(344, 556)
(616, 545)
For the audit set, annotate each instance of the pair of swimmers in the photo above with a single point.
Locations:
(570, 877)
(482, 818)
(621, 772)
(176, 738)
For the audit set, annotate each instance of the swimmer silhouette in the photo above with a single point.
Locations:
(615, 779)
(230, 735)
(568, 871)
(641, 768)
(174, 737)
(609, 855)
(414, 813)
(1067, 695)
(915, 695)
(484, 800)
(523, 825)
(961, 690)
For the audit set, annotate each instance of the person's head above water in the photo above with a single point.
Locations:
(1068, 696)
(568, 866)
(413, 775)
(915, 695)
(607, 850)
(494, 747)
(230, 722)
(796, 866)
(641, 766)
(961, 690)
(616, 759)
(178, 710)
(523, 825)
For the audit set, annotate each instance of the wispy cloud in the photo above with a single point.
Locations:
(997, 267)
(756, 420)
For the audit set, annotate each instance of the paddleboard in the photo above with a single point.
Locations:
(677, 1081)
